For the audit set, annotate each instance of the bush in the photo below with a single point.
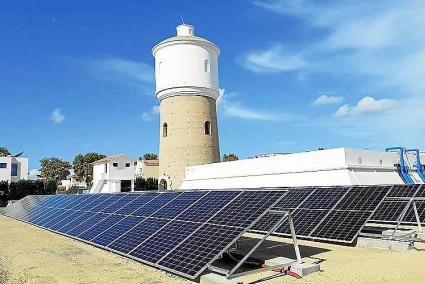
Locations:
(142, 184)
(22, 188)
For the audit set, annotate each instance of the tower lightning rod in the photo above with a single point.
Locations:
(181, 16)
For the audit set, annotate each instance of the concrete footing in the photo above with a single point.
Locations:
(365, 242)
(398, 233)
(302, 269)
(213, 278)
(420, 235)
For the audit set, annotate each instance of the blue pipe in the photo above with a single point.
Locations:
(404, 169)
(418, 165)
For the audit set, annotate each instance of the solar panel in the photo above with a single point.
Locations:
(389, 211)
(324, 198)
(244, 209)
(192, 256)
(402, 190)
(341, 225)
(305, 220)
(322, 207)
(114, 232)
(363, 198)
(410, 215)
(154, 227)
(164, 240)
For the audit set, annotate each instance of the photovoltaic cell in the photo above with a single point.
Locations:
(247, 206)
(137, 235)
(207, 206)
(403, 190)
(82, 227)
(67, 217)
(421, 191)
(155, 204)
(198, 250)
(179, 204)
(324, 198)
(305, 220)
(341, 225)
(79, 219)
(410, 216)
(389, 211)
(109, 199)
(111, 234)
(294, 198)
(154, 248)
(137, 203)
(126, 199)
(363, 198)
(100, 227)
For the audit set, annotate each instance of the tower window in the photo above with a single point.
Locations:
(165, 130)
(207, 67)
(207, 128)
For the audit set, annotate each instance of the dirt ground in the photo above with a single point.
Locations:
(32, 255)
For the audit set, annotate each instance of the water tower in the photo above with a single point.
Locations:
(186, 72)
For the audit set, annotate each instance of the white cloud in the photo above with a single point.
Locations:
(366, 105)
(232, 107)
(151, 114)
(378, 40)
(57, 116)
(273, 59)
(132, 73)
(327, 100)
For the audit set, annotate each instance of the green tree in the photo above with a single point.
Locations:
(230, 157)
(149, 156)
(83, 166)
(54, 169)
(4, 152)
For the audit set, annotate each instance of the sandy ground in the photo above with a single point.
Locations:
(31, 255)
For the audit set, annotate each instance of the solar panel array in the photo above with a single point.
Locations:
(182, 232)
(327, 213)
(391, 210)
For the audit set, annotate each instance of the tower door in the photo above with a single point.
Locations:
(163, 185)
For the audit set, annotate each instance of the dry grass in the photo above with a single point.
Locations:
(32, 255)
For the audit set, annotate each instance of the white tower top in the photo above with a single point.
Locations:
(186, 65)
(185, 30)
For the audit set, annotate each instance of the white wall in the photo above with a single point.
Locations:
(339, 166)
(111, 179)
(180, 62)
(5, 173)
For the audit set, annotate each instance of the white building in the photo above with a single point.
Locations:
(147, 168)
(13, 168)
(339, 166)
(113, 174)
(71, 180)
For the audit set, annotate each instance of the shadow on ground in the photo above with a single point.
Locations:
(268, 250)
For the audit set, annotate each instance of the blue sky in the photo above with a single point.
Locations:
(77, 76)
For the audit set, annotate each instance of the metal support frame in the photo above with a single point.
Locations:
(404, 169)
(407, 236)
(286, 216)
(418, 220)
(418, 165)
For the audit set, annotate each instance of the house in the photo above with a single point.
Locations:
(113, 174)
(13, 168)
(147, 168)
(71, 180)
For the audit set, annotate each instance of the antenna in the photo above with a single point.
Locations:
(181, 17)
